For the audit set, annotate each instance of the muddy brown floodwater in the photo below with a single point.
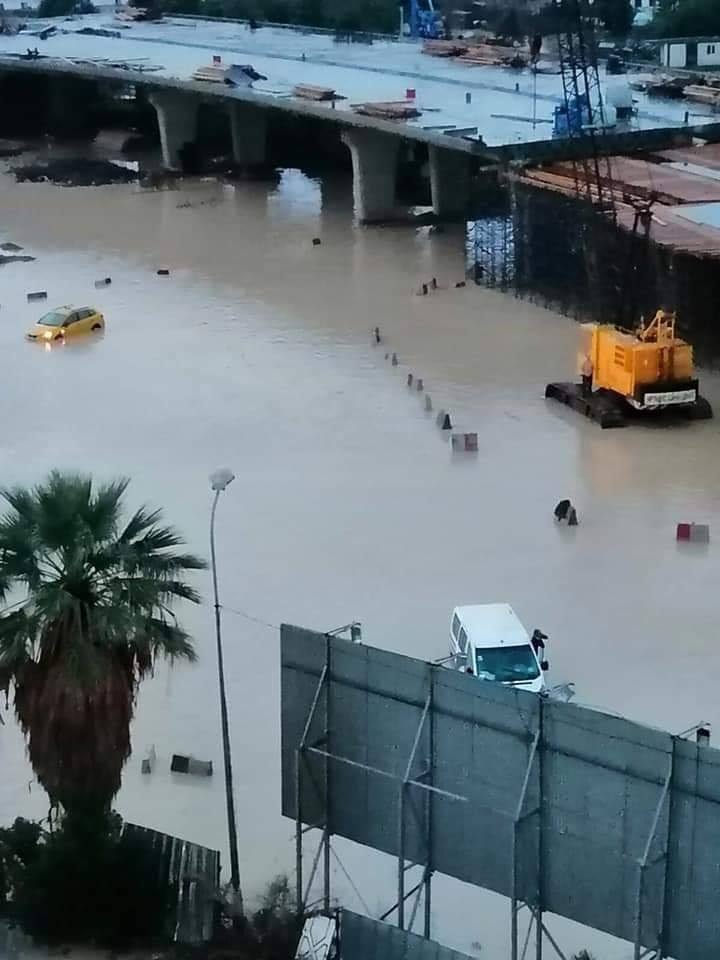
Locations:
(256, 353)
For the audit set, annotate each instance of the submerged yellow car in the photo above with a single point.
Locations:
(65, 323)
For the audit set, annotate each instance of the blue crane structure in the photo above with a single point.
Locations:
(424, 22)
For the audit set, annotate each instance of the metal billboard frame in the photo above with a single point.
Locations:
(669, 772)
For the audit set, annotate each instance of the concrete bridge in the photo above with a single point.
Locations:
(374, 144)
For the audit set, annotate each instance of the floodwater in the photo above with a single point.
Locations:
(256, 353)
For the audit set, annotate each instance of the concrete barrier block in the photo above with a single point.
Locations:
(105, 282)
(464, 442)
(37, 295)
(699, 533)
(410, 380)
(428, 402)
(446, 423)
(394, 360)
(419, 386)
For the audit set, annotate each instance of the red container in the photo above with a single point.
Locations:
(216, 59)
(683, 531)
(410, 93)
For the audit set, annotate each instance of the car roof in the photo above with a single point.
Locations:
(492, 625)
(66, 308)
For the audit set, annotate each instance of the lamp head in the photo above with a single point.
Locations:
(221, 478)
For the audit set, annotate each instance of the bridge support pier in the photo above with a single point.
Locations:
(177, 121)
(374, 162)
(248, 126)
(449, 182)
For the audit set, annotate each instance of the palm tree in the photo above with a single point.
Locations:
(87, 613)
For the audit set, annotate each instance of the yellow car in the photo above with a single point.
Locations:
(65, 323)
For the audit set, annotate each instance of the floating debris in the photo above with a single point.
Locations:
(74, 172)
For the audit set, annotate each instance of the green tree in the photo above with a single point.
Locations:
(93, 614)
(687, 18)
(615, 15)
(62, 8)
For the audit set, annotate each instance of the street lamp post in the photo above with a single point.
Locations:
(219, 481)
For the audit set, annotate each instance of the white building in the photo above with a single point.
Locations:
(644, 11)
(690, 53)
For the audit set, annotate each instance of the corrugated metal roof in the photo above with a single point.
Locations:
(364, 939)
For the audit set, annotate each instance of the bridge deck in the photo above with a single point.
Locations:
(381, 71)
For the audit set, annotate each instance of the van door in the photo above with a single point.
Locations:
(464, 652)
(454, 634)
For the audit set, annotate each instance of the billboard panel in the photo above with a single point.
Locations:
(581, 814)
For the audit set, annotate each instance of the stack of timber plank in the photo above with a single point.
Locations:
(211, 74)
(487, 55)
(388, 110)
(702, 94)
(445, 48)
(306, 91)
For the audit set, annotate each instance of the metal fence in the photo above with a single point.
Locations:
(560, 808)
(182, 882)
(364, 939)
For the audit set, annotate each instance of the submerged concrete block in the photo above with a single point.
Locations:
(699, 533)
(38, 295)
(428, 402)
(189, 765)
(464, 442)
(410, 380)
(419, 386)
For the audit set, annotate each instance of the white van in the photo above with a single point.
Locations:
(489, 641)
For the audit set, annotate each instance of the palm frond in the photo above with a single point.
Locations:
(98, 614)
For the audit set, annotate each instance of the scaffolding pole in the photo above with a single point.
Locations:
(407, 783)
(647, 862)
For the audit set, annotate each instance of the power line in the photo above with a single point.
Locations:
(249, 616)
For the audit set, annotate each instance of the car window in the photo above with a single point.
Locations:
(455, 625)
(55, 318)
(462, 640)
(85, 313)
(71, 318)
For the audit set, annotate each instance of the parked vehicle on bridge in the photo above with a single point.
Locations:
(66, 323)
(489, 641)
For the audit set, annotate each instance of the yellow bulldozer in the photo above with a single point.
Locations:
(646, 370)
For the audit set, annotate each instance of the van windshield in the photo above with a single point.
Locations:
(506, 664)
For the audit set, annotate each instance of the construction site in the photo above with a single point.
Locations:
(607, 238)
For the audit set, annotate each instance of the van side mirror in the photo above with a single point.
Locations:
(544, 665)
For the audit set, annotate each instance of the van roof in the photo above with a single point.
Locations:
(492, 625)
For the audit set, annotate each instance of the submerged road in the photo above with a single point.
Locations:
(256, 353)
